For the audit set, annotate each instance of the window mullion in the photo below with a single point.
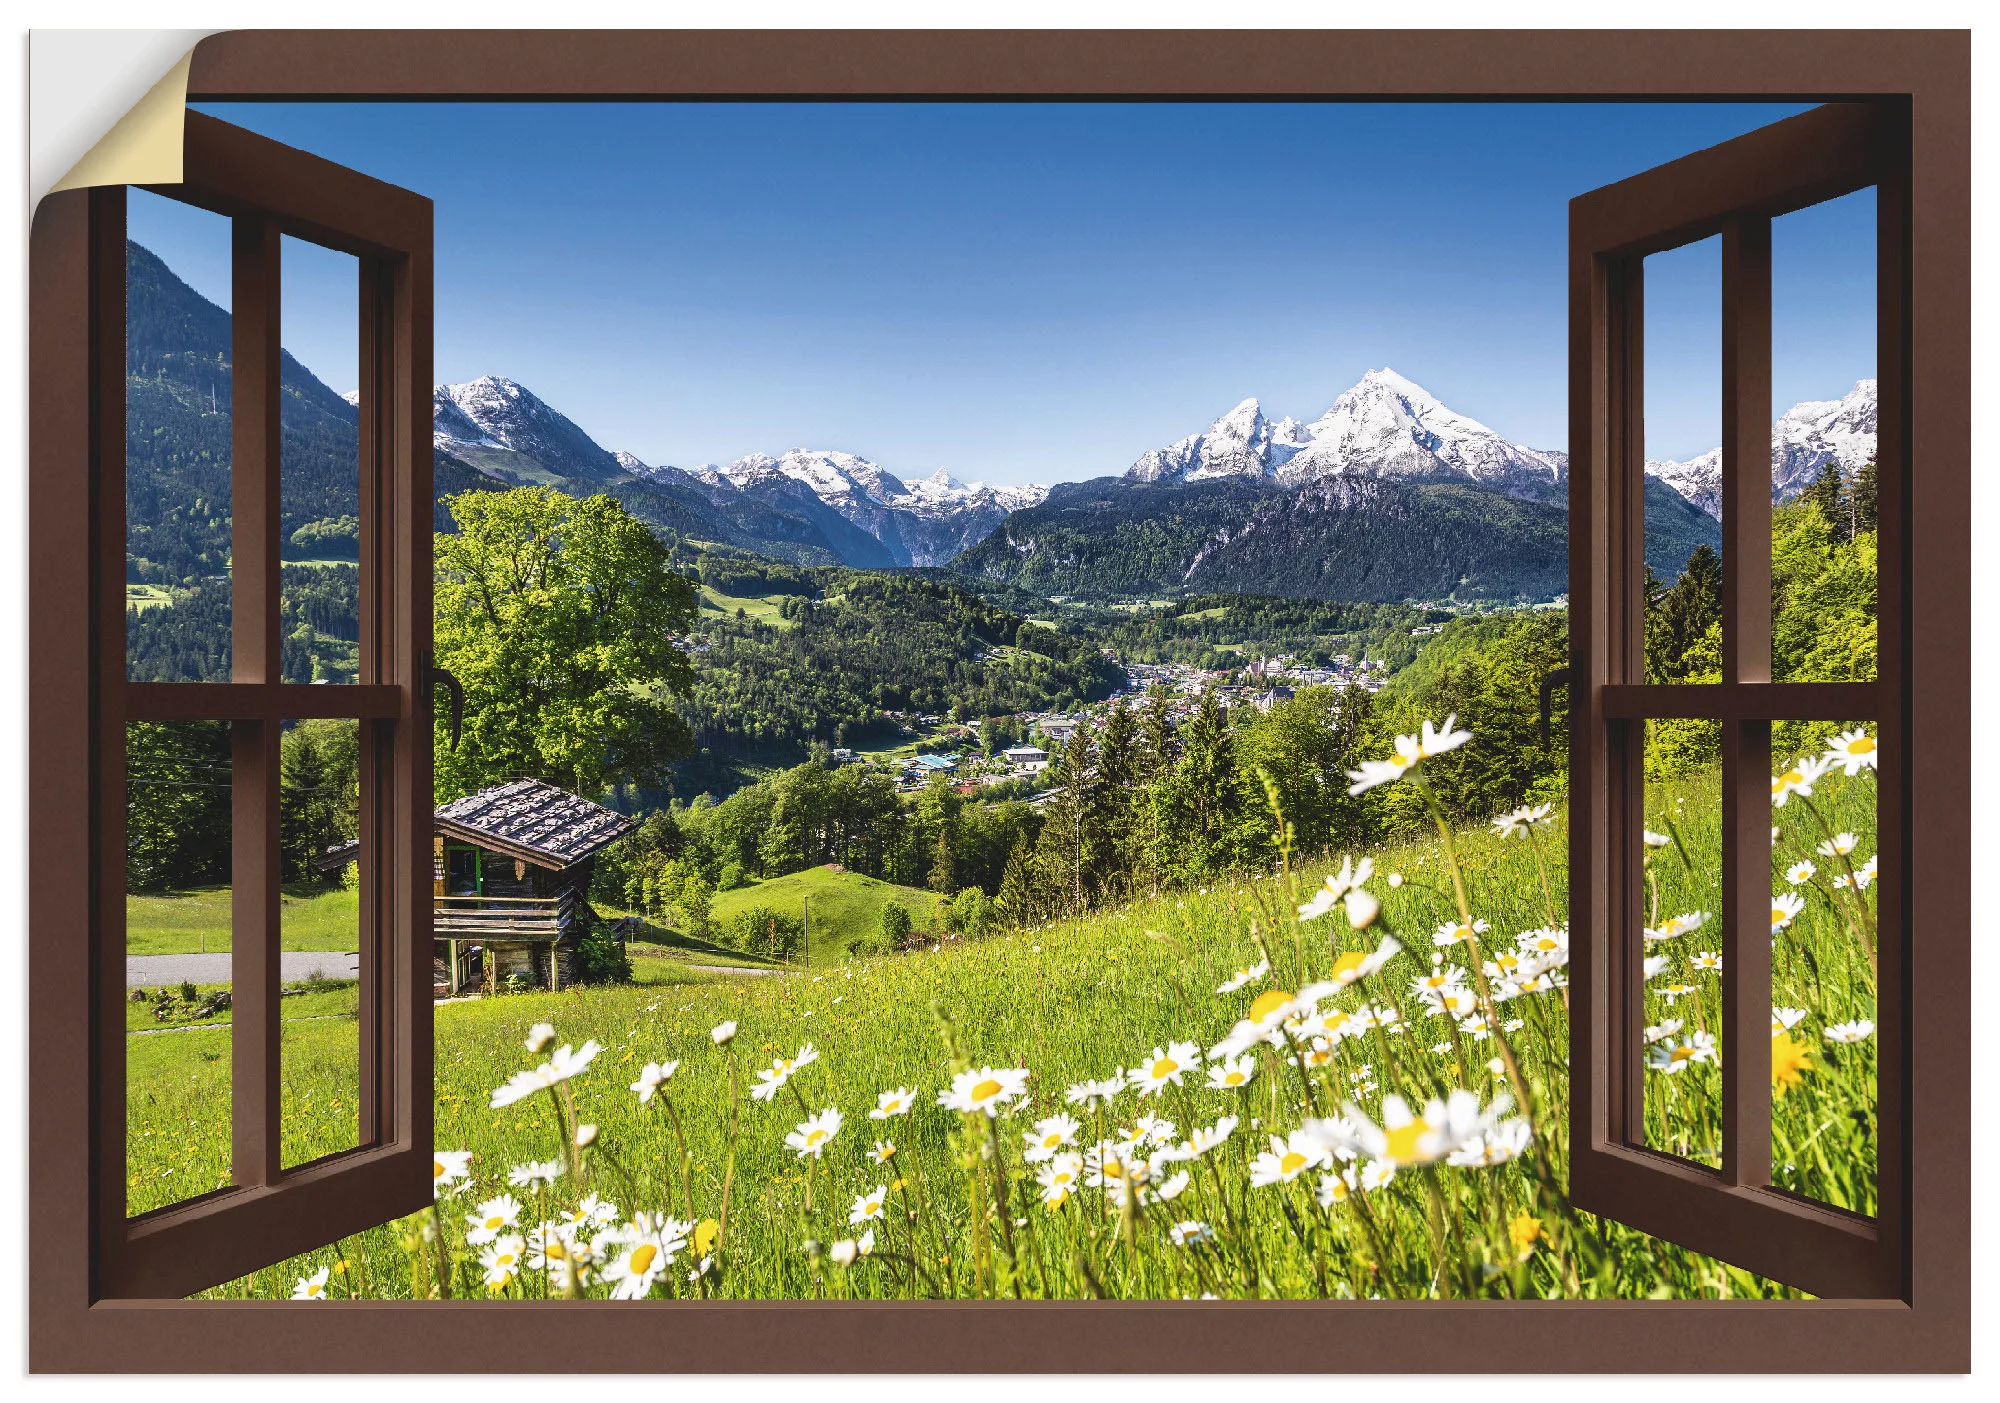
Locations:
(1746, 658)
(256, 529)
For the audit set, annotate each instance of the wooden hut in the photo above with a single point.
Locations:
(512, 865)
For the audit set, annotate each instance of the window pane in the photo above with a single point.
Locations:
(320, 934)
(320, 481)
(1682, 941)
(177, 961)
(1823, 443)
(1683, 392)
(177, 449)
(1823, 964)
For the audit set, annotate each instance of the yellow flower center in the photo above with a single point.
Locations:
(1402, 1147)
(1165, 1068)
(438, 1169)
(1291, 1163)
(642, 1258)
(986, 1090)
(1861, 745)
(1683, 1053)
(1267, 1001)
(813, 1137)
(1351, 961)
(495, 1221)
(1233, 1079)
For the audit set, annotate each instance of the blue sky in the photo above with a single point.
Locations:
(1030, 291)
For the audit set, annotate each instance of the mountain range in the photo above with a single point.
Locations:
(1805, 438)
(817, 506)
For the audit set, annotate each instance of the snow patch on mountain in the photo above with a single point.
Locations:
(1804, 439)
(1385, 426)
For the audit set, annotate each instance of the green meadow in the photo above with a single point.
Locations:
(1389, 1205)
(843, 905)
(184, 922)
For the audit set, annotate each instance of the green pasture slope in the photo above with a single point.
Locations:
(844, 905)
(1085, 998)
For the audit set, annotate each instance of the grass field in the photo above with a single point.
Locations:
(844, 905)
(178, 923)
(143, 597)
(1358, 1195)
(758, 607)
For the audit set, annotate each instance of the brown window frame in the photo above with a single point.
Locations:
(1733, 190)
(267, 191)
(1921, 1322)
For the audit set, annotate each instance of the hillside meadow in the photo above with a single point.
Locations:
(1385, 1136)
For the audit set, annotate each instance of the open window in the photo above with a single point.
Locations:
(195, 727)
(1728, 1202)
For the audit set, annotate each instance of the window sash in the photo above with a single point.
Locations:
(1734, 190)
(268, 190)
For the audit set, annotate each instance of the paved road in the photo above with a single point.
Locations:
(146, 971)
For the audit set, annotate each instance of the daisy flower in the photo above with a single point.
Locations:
(1058, 1178)
(1854, 1032)
(1049, 1135)
(868, 1207)
(1674, 927)
(1244, 976)
(893, 1103)
(539, 1037)
(1167, 1190)
(652, 1077)
(635, 1256)
(1662, 1031)
(593, 1212)
(1335, 1189)
(566, 1063)
(722, 1033)
(1288, 1158)
(1191, 1234)
(1457, 932)
(815, 1134)
(1799, 780)
(1785, 908)
(1483, 1151)
(1839, 845)
(1854, 751)
(1265, 1023)
(1864, 875)
(1511, 825)
(1676, 1054)
(1453, 1001)
(448, 1167)
(494, 1215)
(311, 1288)
(1164, 1068)
(984, 1089)
(1230, 1075)
(501, 1259)
(1337, 887)
(1206, 1138)
(1802, 871)
(1409, 1137)
(1708, 959)
(1350, 968)
(523, 1176)
(1652, 839)
(1785, 1019)
(883, 1152)
(1654, 964)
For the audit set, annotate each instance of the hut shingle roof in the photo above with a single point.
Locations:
(546, 825)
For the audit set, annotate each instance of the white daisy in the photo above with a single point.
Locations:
(565, 1064)
(722, 1033)
(1164, 1068)
(1244, 976)
(1799, 780)
(1785, 908)
(501, 1259)
(448, 1167)
(984, 1089)
(1857, 1031)
(868, 1207)
(1457, 932)
(1510, 825)
(1801, 872)
(1059, 1177)
(523, 1176)
(1783, 1020)
(895, 1102)
(1288, 1158)
(1854, 751)
(1677, 1054)
(636, 1255)
(1233, 1074)
(1049, 1135)
(652, 1077)
(493, 1216)
(815, 1134)
(311, 1288)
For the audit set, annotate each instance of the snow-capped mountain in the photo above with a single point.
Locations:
(812, 499)
(500, 427)
(1805, 438)
(1385, 426)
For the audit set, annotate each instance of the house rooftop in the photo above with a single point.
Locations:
(536, 822)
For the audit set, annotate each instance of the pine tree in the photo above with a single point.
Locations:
(1825, 493)
(1017, 887)
(1861, 500)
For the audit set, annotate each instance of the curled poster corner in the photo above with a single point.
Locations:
(144, 146)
